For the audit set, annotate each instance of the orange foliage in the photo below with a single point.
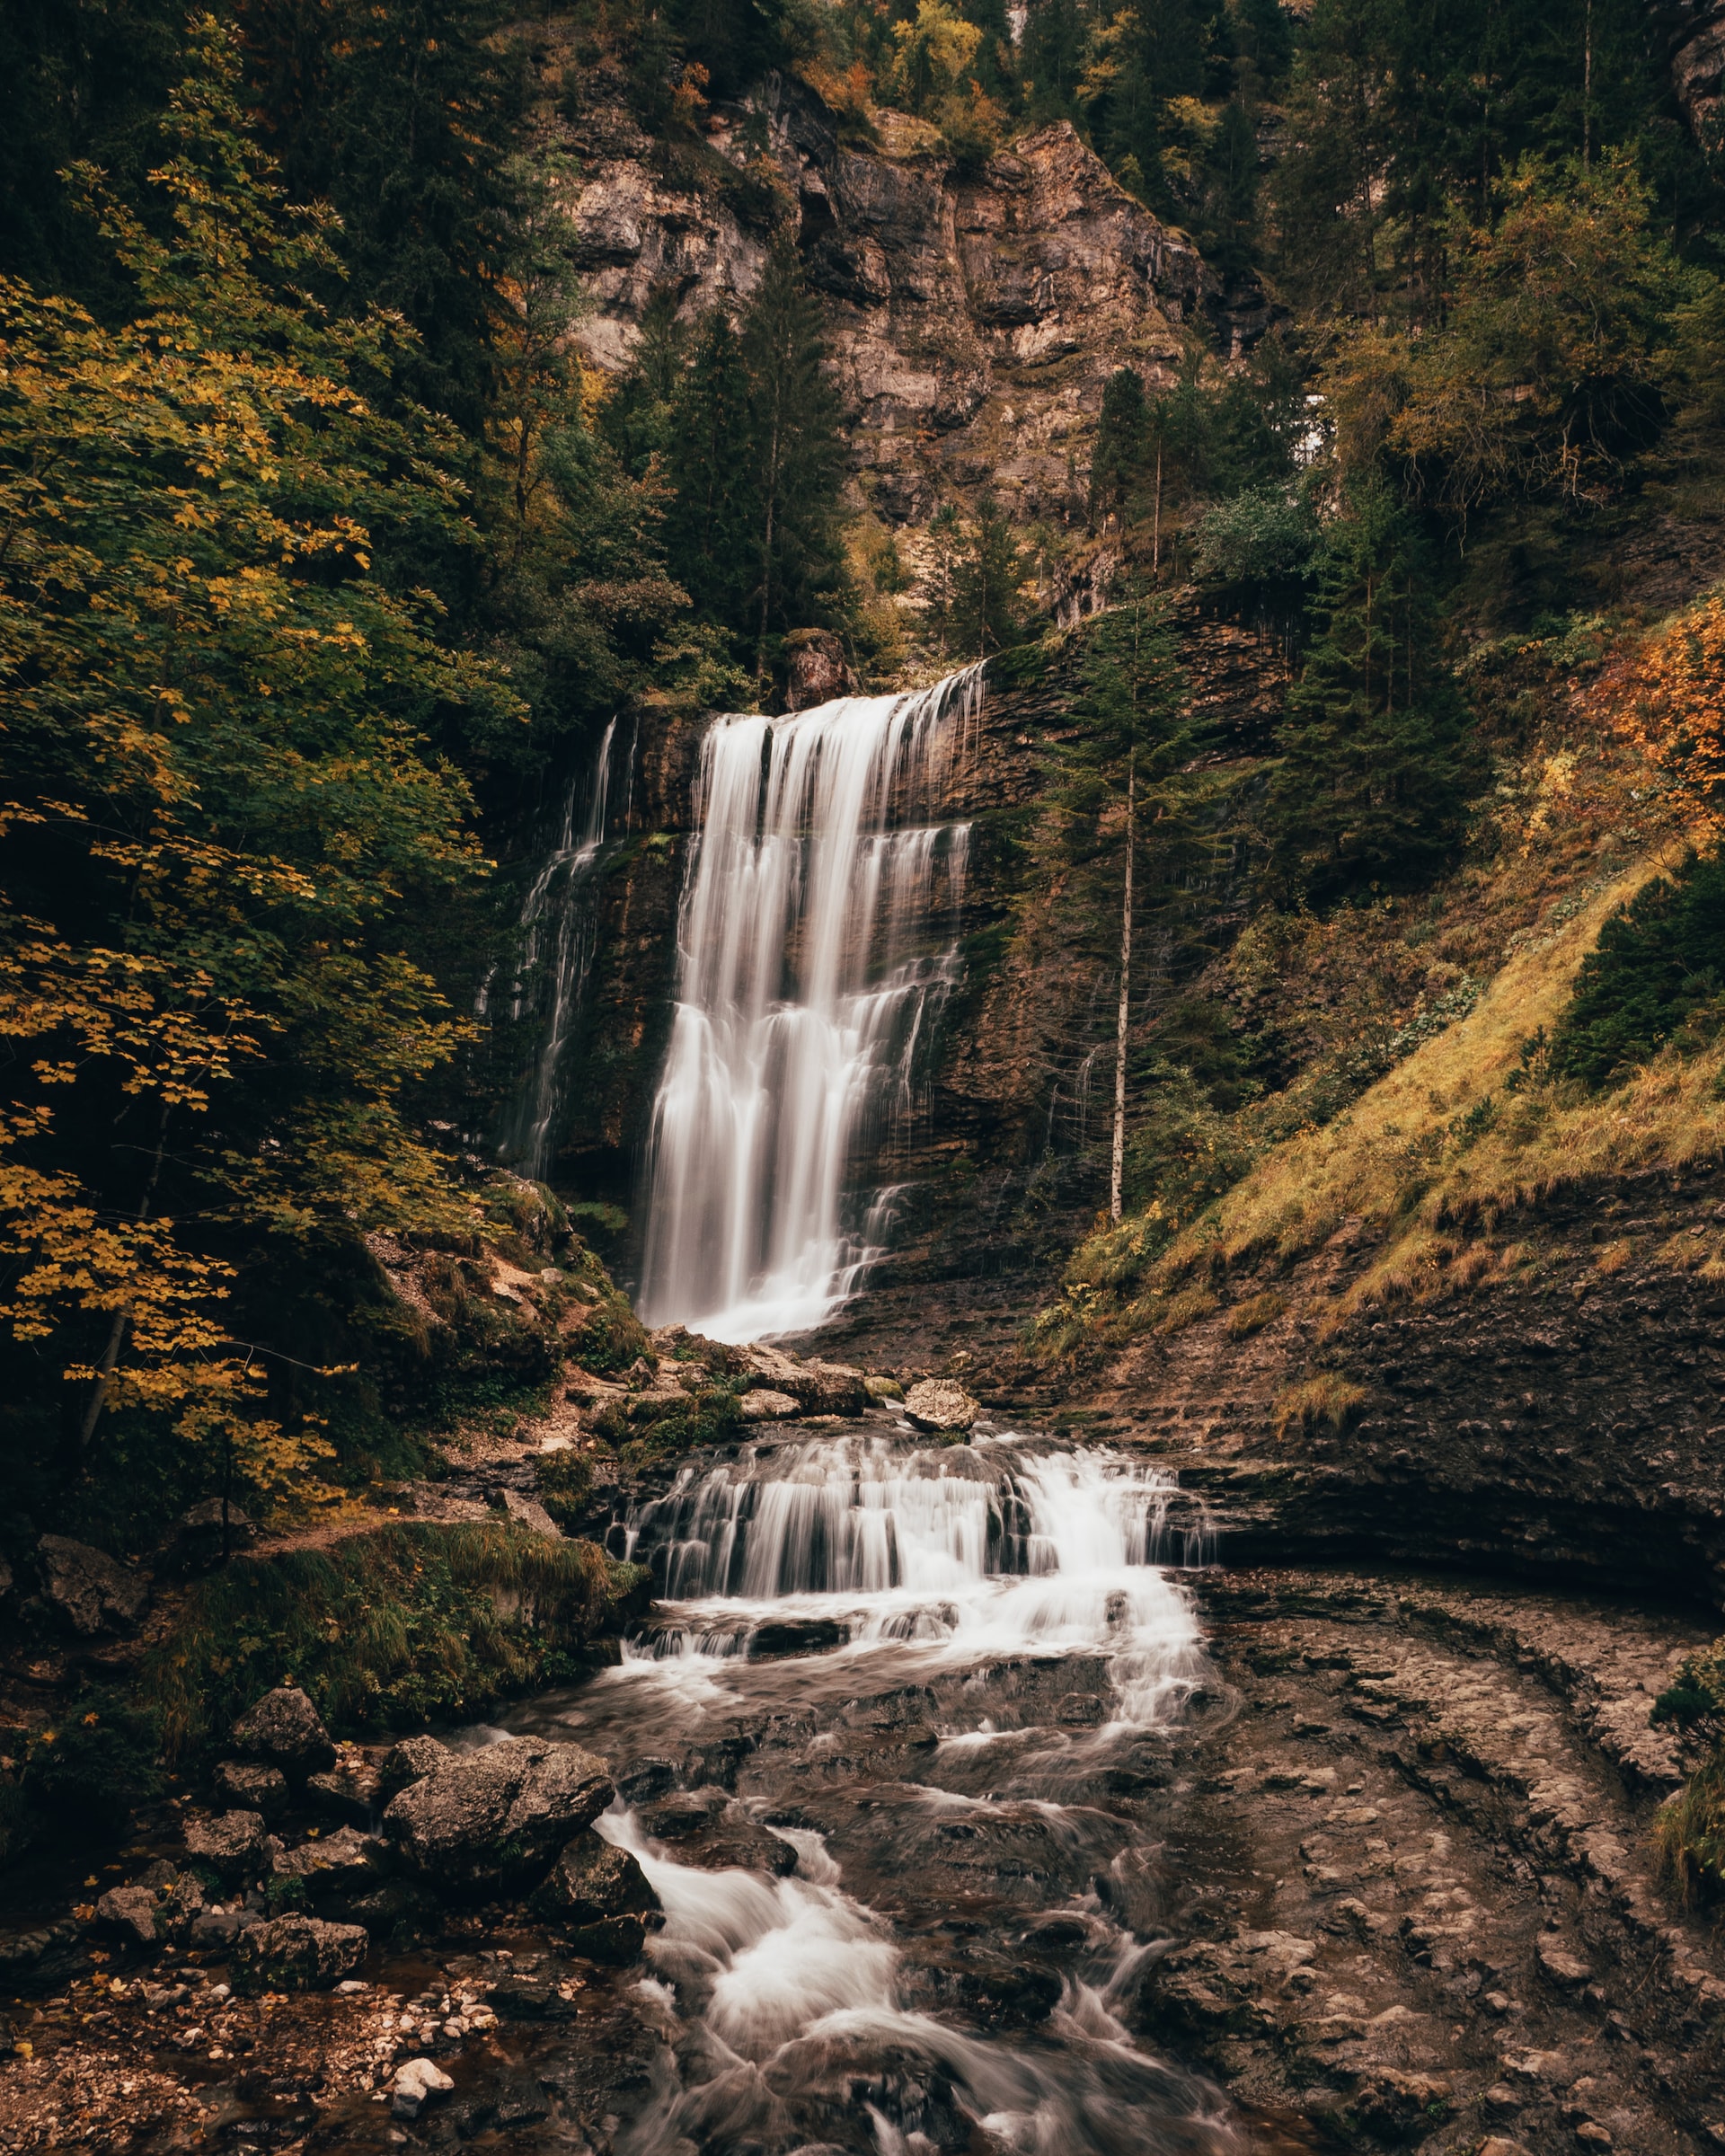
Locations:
(1667, 698)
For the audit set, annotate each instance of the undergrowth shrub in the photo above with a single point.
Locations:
(412, 1624)
(89, 1769)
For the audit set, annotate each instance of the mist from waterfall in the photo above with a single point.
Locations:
(817, 936)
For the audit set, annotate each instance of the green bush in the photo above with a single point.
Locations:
(387, 1631)
(96, 1763)
(1657, 975)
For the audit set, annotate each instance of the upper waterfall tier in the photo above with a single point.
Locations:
(818, 929)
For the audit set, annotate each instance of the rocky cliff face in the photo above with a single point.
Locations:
(1694, 31)
(973, 317)
(1562, 1419)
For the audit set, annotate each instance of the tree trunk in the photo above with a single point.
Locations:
(1117, 1176)
(121, 1325)
(1155, 545)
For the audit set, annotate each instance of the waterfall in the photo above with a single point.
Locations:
(559, 925)
(817, 934)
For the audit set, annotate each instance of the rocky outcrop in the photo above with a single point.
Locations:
(940, 1406)
(1693, 33)
(973, 316)
(230, 1847)
(1561, 1418)
(494, 1819)
(602, 1894)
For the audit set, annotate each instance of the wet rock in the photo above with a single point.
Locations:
(348, 1792)
(247, 1785)
(764, 1406)
(398, 1911)
(410, 1762)
(603, 1894)
(818, 1388)
(1080, 1710)
(528, 1513)
(532, 1994)
(739, 1845)
(43, 1960)
(297, 1954)
(882, 1388)
(231, 1847)
(685, 1812)
(797, 1635)
(128, 1914)
(87, 1591)
(647, 1777)
(414, 2085)
(1498, 2147)
(941, 1407)
(494, 1819)
(199, 1541)
(818, 670)
(286, 1730)
(1005, 1994)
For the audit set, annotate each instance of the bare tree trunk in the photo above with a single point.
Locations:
(1117, 1176)
(1155, 545)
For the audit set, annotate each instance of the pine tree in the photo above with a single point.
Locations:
(1116, 459)
(1121, 833)
(987, 609)
(795, 450)
(1371, 784)
(710, 528)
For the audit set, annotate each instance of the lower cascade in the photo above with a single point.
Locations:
(915, 1664)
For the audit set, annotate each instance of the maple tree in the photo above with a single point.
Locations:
(221, 816)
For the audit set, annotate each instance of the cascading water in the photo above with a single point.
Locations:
(817, 933)
(560, 935)
(1002, 1639)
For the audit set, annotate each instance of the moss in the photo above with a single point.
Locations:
(565, 1486)
(411, 1623)
(659, 1428)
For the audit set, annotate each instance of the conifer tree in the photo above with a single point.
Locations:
(795, 453)
(1371, 787)
(987, 607)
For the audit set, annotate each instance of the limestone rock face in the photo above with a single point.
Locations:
(297, 1954)
(972, 318)
(494, 1819)
(940, 1406)
(528, 1513)
(818, 672)
(87, 1590)
(286, 1730)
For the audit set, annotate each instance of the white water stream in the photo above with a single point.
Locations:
(816, 936)
(789, 2002)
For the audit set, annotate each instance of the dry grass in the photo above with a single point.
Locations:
(1253, 1314)
(1439, 1145)
(1327, 1398)
(1186, 1307)
(1615, 1256)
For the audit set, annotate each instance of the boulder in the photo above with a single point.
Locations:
(883, 1388)
(183, 1907)
(939, 1407)
(528, 1513)
(415, 2082)
(215, 1931)
(199, 1538)
(87, 1590)
(410, 1762)
(494, 1819)
(286, 1730)
(332, 1869)
(765, 1405)
(348, 1792)
(128, 1914)
(297, 1954)
(247, 1785)
(1566, 1970)
(603, 1894)
(397, 1911)
(231, 1847)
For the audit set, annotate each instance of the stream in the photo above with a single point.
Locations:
(883, 1754)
